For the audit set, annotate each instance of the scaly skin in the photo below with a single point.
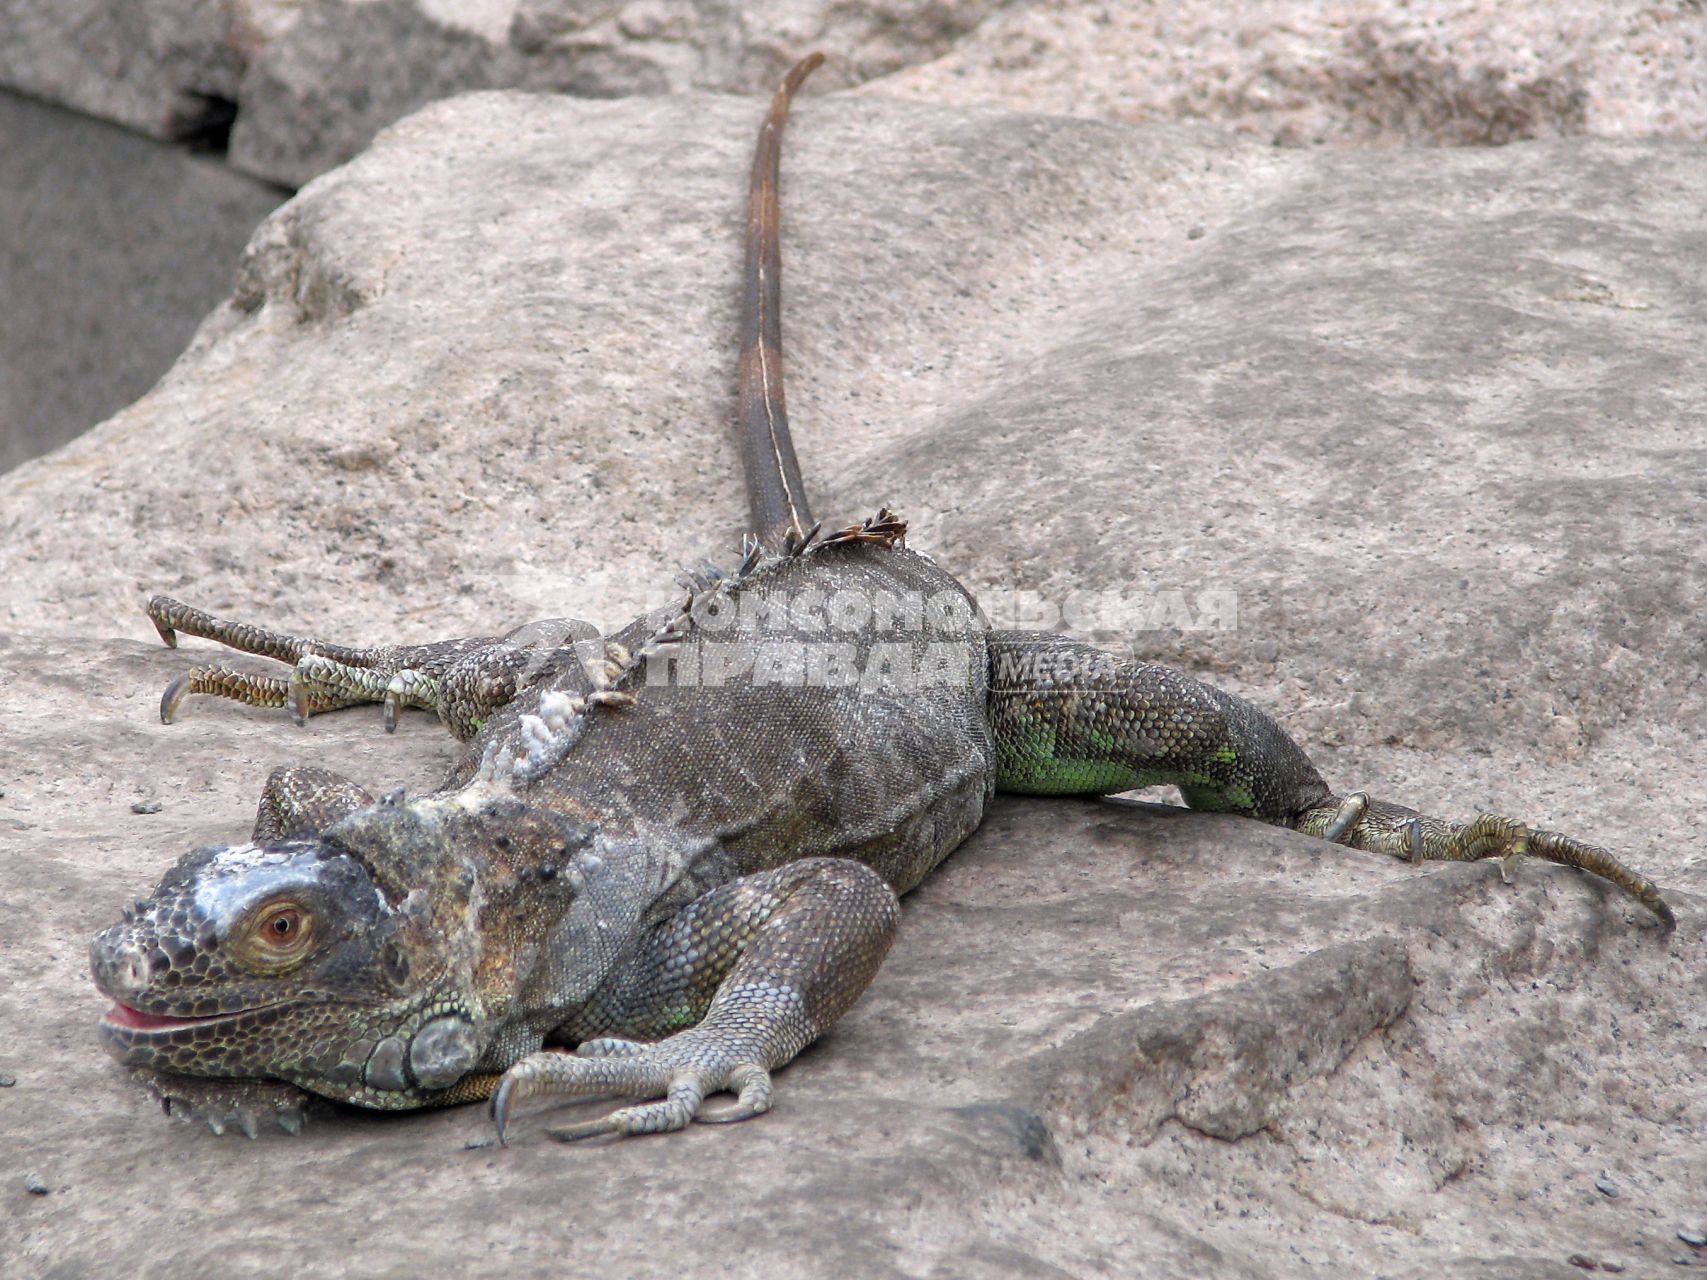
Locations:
(678, 853)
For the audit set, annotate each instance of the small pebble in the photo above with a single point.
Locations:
(1606, 1186)
(1583, 1261)
(34, 1184)
(145, 806)
(475, 1144)
(1613, 1267)
(7, 1080)
(1681, 1259)
(1196, 233)
(1693, 1235)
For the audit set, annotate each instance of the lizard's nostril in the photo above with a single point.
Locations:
(134, 971)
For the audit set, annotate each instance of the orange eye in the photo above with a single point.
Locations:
(277, 937)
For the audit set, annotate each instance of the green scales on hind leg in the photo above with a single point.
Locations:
(1072, 720)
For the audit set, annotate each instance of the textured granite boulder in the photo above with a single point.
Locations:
(1404, 445)
(312, 80)
(1362, 71)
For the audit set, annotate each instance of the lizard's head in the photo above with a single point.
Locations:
(282, 961)
(352, 963)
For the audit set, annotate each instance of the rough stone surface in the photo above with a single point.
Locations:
(1361, 71)
(1433, 418)
(112, 250)
(345, 69)
(147, 64)
(315, 79)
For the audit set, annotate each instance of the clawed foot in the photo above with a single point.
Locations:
(462, 680)
(1380, 827)
(680, 1071)
(324, 677)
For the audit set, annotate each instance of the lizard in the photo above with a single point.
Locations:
(665, 861)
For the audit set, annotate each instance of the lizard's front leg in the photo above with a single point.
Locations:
(1070, 719)
(745, 977)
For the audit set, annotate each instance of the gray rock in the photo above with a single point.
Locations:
(112, 249)
(1222, 1064)
(1300, 73)
(150, 65)
(1432, 418)
(314, 80)
(316, 95)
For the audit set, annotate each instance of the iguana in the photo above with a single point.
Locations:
(678, 854)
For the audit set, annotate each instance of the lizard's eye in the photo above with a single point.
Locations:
(276, 937)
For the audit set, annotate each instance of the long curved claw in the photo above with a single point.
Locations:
(408, 687)
(569, 1075)
(168, 633)
(239, 686)
(503, 1097)
(174, 696)
(296, 697)
(1348, 815)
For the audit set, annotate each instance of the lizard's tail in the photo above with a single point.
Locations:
(774, 490)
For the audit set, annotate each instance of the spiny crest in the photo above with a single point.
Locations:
(548, 736)
(885, 529)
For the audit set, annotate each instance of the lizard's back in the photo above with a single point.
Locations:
(832, 704)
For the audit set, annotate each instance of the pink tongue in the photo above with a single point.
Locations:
(125, 1016)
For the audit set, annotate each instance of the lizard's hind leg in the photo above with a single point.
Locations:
(1070, 719)
(746, 976)
(1381, 827)
(461, 679)
(324, 676)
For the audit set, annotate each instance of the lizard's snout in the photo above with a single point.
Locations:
(119, 965)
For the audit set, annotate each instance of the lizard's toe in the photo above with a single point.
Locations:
(679, 1071)
(564, 1075)
(753, 1086)
(687, 1091)
(224, 682)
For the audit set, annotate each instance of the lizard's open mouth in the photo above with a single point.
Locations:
(122, 1015)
